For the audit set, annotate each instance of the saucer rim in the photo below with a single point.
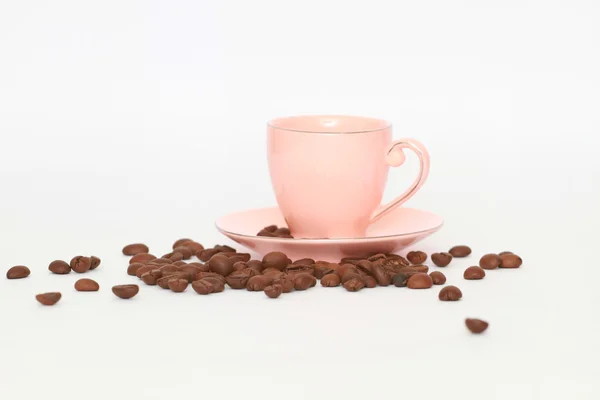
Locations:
(325, 240)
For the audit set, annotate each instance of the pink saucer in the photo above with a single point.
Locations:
(401, 228)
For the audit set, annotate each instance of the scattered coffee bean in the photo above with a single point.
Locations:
(275, 260)
(131, 269)
(460, 251)
(87, 285)
(476, 325)
(297, 269)
(135, 248)
(174, 256)
(365, 266)
(286, 282)
(212, 275)
(257, 264)
(163, 282)
(490, 261)
(304, 281)
(193, 247)
(206, 254)
(350, 275)
(157, 273)
(225, 248)
(60, 267)
(401, 279)
(369, 281)
(178, 285)
(149, 279)
(18, 272)
(420, 281)
(258, 283)
(221, 265)
(80, 264)
(474, 273)
(48, 299)
(160, 261)
(510, 261)
(202, 287)
(415, 268)
(354, 284)
(238, 279)
(450, 293)
(416, 257)
(503, 253)
(125, 291)
(441, 259)
(274, 231)
(330, 280)
(273, 291)
(217, 284)
(380, 274)
(184, 251)
(438, 278)
(304, 261)
(142, 270)
(346, 268)
(180, 263)
(180, 242)
(376, 257)
(94, 262)
(142, 258)
(169, 269)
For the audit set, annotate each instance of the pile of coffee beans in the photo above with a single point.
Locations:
(275, 231)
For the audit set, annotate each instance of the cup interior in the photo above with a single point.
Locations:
(329, 124)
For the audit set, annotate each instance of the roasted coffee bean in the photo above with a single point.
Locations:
(238, 279)
(331, 280)
(180, 263)
(510, 261)
(450, 293)
(149, 279)
(202, 267)
(283, 231)
(350, 260)
(236, 259)
(178, 285)
(245, 257)
(217, 284)
(398, 259)
(286, 282)
(180, 242)
(174, 256)
(240, 265)
(268, 271)
(212, 275)
(258, 283)
(48, 299)
(304, 261)
(142, 270)
(376, 257)
(275, 260)
(18, 272)
(131, 269)
(321, 270)
(202, 286)
(198, 265)
(490, 261)
(206, 254)
(169, 269)
(253, 272)
(163, 282)
(380, 274)
(273, 291)
(420, 281)
(61, 267)
(365, 266)
(401, 279)
(135, 248)
(369, 281)
(225, 248)
(441, 259)
(304, 281)
(125, 291)
(160, 261)
(94, 262)
(503, 253)
(142, 258)
(438, 278)
(193, 247)
(350, 275)
(264, 233)
(476, 325)
(298, 269)
(184, 251)
(80, 264)
(354, 284)
(256, 264)
(474, 273)
(415, 268)
(460, 251)
(270, 228)
(416, 257)
(157, 273)
(221, 265)
(87, 285)
(346, 269)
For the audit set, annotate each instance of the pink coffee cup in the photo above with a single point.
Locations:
(329, 172)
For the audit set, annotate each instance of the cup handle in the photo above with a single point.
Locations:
(395, 157)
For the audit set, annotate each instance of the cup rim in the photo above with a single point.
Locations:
(273, 123)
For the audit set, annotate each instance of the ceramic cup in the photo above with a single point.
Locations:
(329, 172)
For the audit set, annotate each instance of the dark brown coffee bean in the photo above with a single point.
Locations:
(225, 248)
(180, 242)
(184, 251)
(298, 269)
(157, 273)
(304, 261)
(376, 257)
(203, 267)
(415, 268)
(125, 291)
(178, 285)
(257, 264)
(416, 257)
(169, 269)
(476, 325)
(369, 281)
(490, 261)
(180, 263)
(193, 247)
(398, 259)
(202, 286)
(240, 265)
(142, 258)
(275, 260)
(174, 256)
(131, 269)
(401, 279)
(331, 280)
(438, 278)
(286, 282)
(350, 275)
(273, 291)
(346, 268)
(245, 257)
(135, 248)
(270, 270)
(320, 270)
(365, 266)
(87, 285)
(61, 267)
(474, 273)
(350, 260)
(265, 233)
(283, 231)
(48, 299)
(217, 284)
(441, 259)
(238, 279)
(380, 275)
(236, 259)
(258, 283)
(420, 281)
(142, 270)
(221, 265)
(304, 281)
(160, 261)
(149, 279)
(354, 284)
(80, 264)
(510, 261)
(503, 253)
(213, 275)
(450, 293)
(18, 272)
(163, 282)
(206, 254)
(270, 228)
(94, 262)
(460, 251)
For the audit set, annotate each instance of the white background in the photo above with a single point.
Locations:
(125, 121)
